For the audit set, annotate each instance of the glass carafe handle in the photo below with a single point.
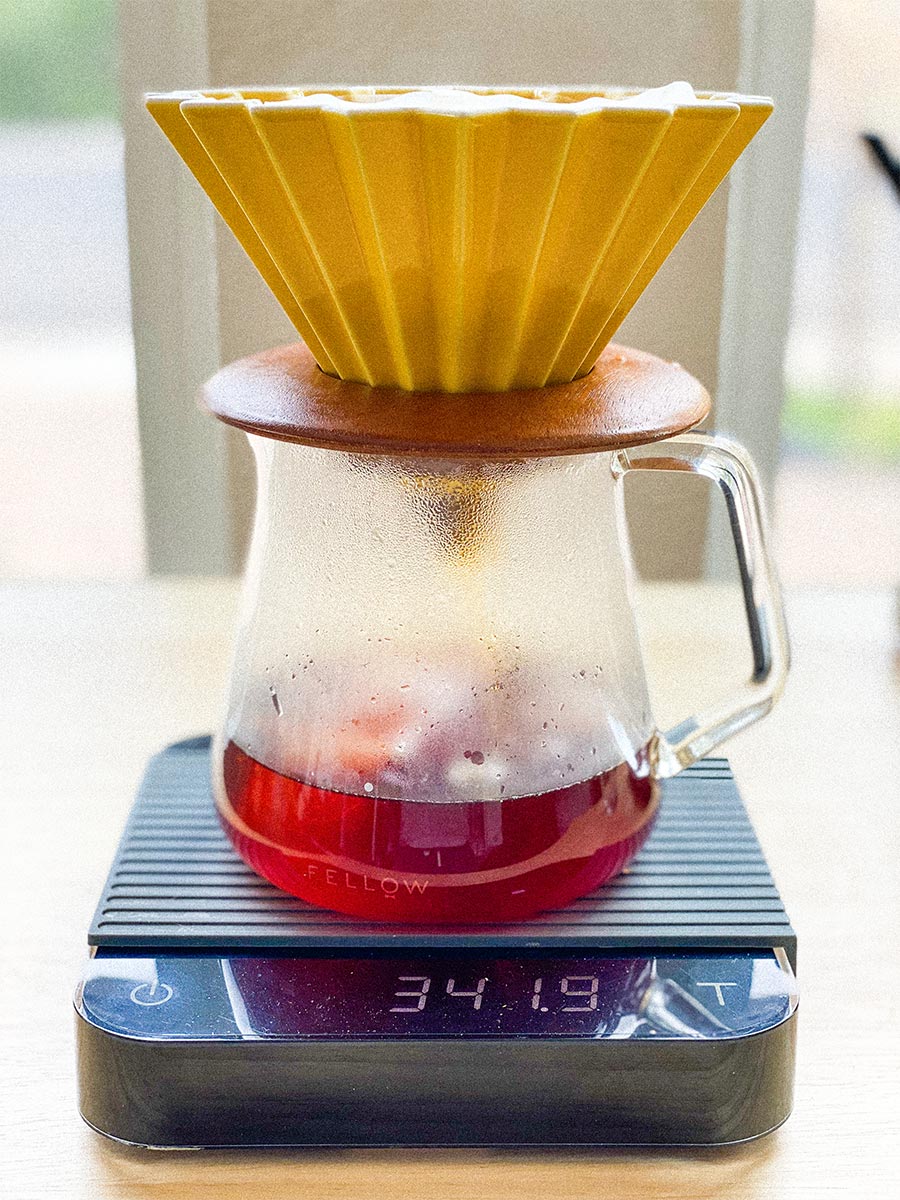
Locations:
(728, 465)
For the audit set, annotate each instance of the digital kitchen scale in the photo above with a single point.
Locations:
(216, 1010)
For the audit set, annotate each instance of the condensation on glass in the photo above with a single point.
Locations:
(426, 630)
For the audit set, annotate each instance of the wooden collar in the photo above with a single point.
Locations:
(627, 398)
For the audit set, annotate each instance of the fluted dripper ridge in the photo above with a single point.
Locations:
(458, 239)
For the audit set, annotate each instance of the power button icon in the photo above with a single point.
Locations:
(149, 995)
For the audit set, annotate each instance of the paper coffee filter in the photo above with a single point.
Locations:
(458, 239)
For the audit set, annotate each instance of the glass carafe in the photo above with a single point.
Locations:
(438, 708)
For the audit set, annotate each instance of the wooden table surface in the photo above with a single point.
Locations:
(95, 678)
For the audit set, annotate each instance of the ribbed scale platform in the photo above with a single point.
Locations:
(701, 881)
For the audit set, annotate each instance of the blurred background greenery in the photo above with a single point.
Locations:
(58, 60)
(821, 421)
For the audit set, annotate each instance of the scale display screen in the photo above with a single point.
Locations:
(439, 996)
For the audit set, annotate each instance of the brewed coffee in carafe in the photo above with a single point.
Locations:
(438, 710)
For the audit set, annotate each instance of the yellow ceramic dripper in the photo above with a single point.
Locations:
(458, 240)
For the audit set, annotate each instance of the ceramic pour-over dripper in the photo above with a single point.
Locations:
(458, 239)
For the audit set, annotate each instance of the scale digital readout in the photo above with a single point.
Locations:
(444, 996)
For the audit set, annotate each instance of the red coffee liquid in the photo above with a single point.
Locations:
(434, 862)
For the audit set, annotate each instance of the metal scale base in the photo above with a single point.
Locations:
(216, 1010)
